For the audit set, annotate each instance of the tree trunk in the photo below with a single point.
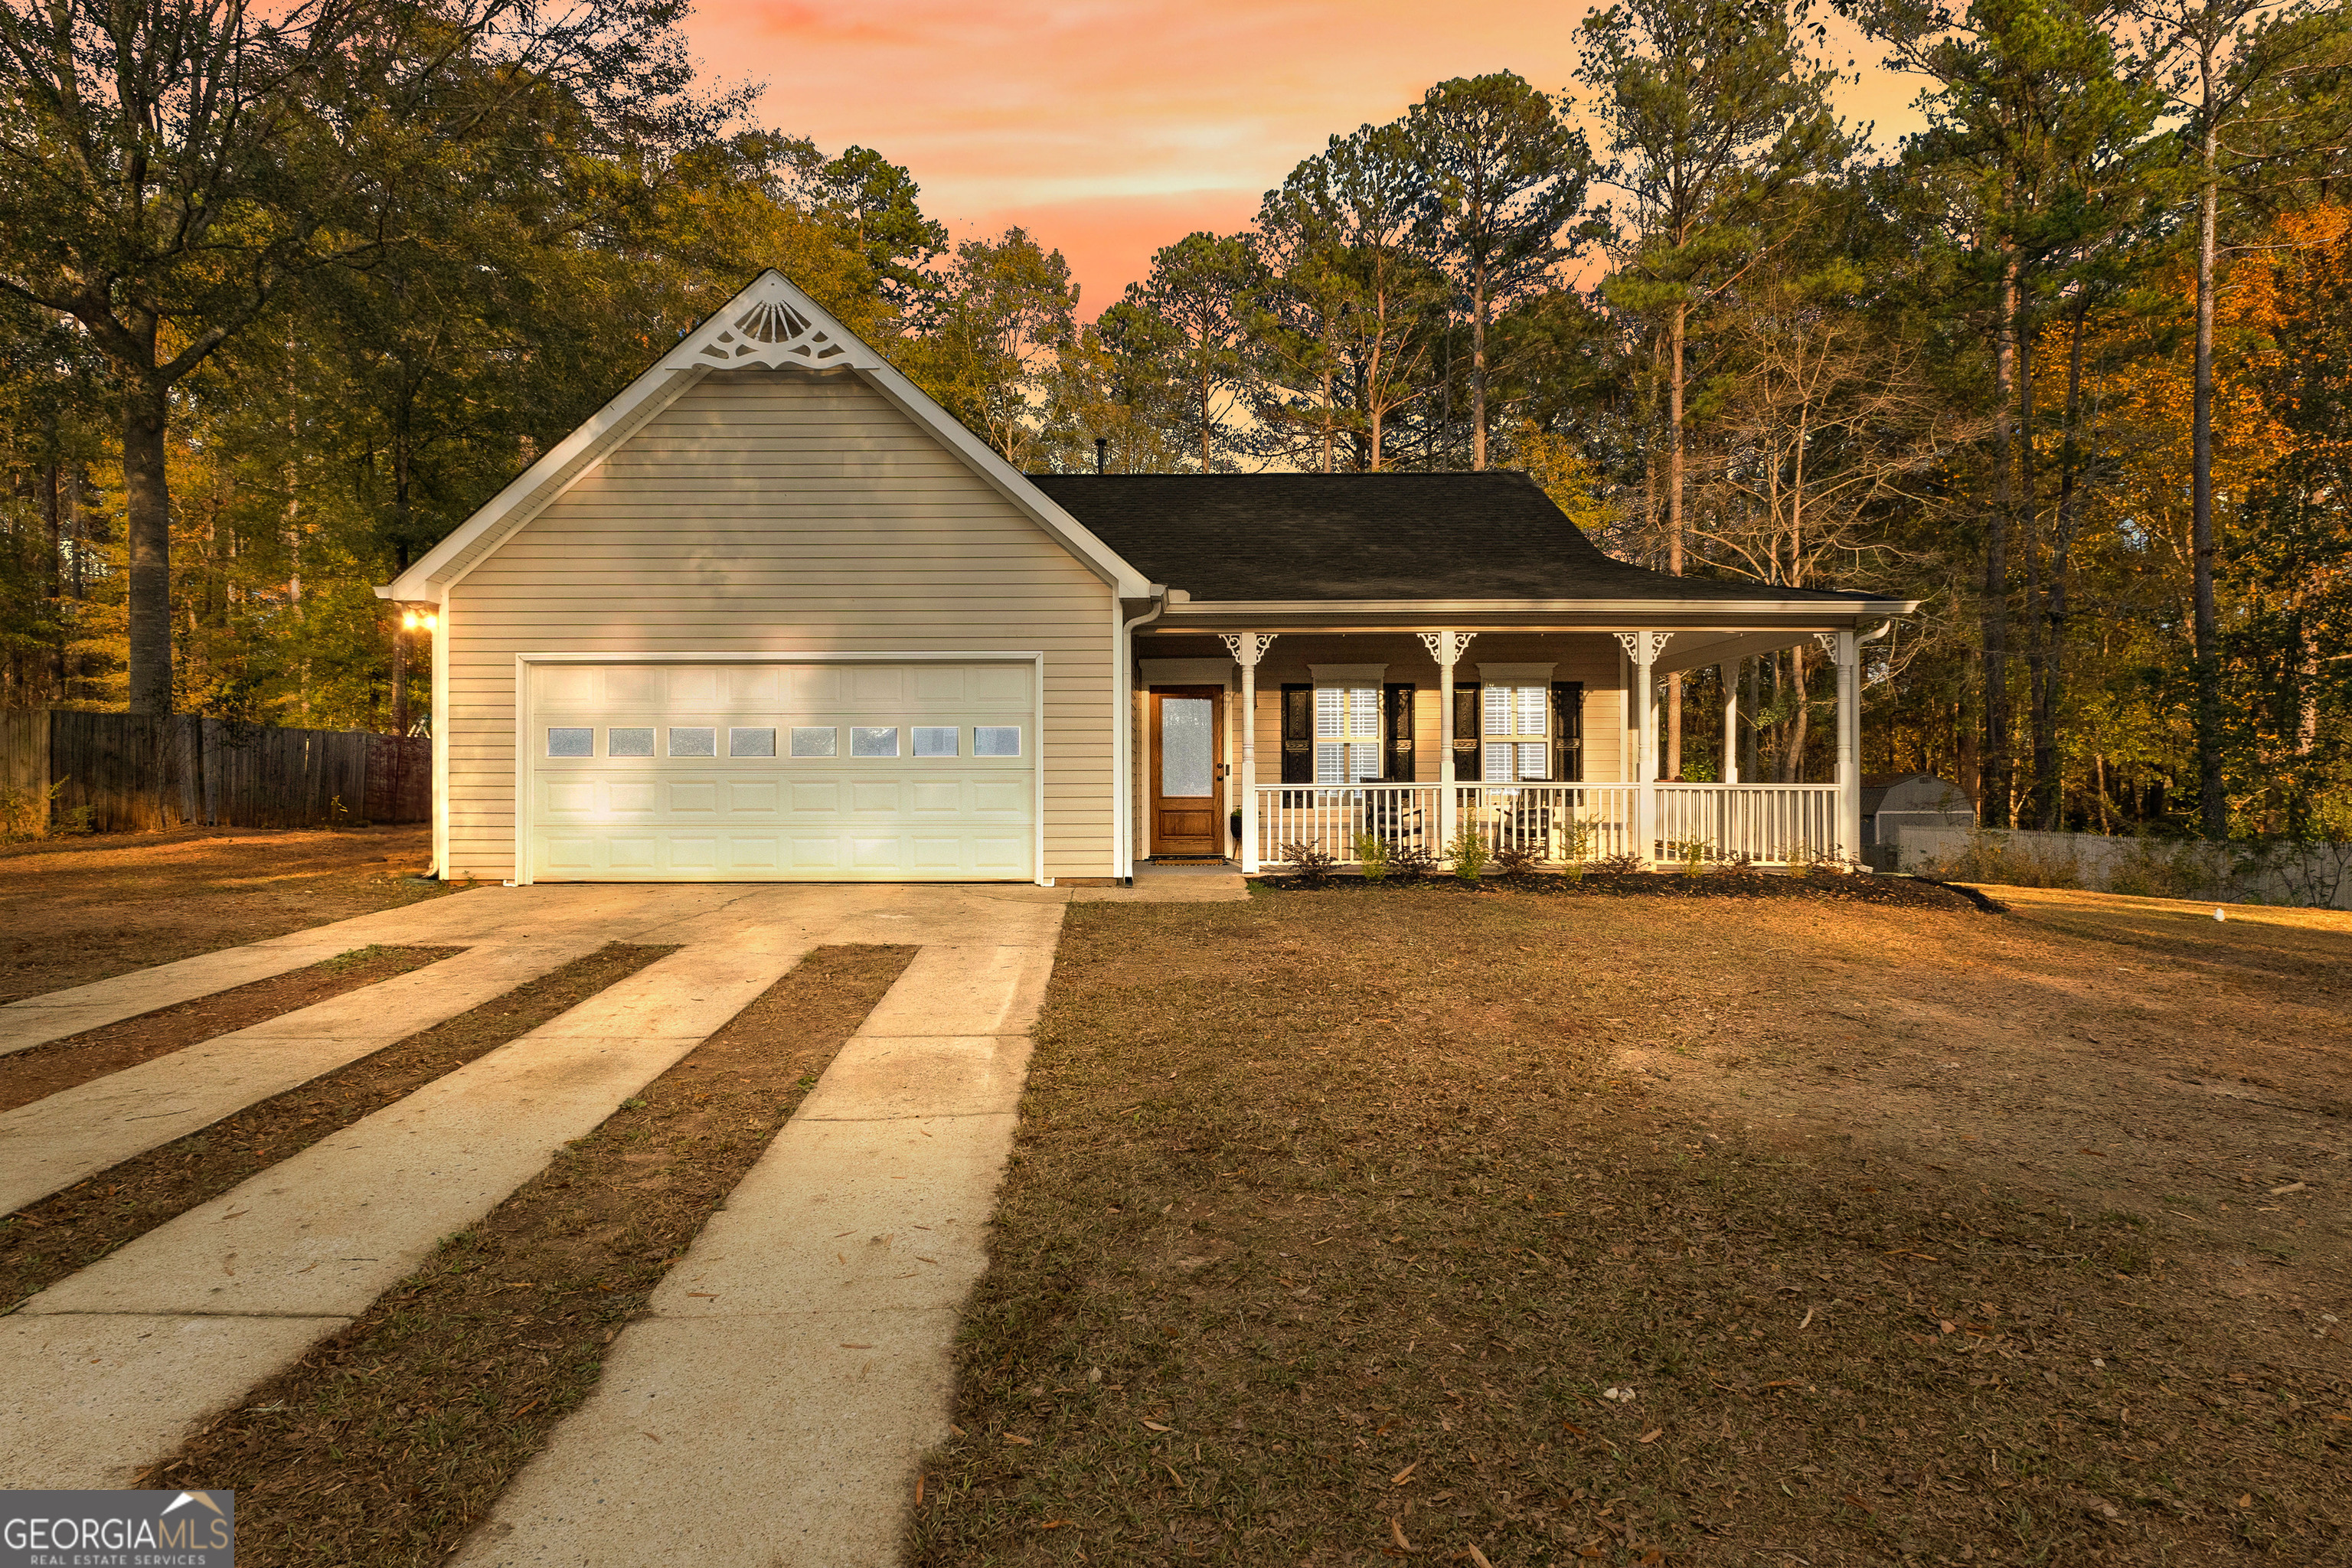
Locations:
(2028, 544)
(1330, 413)
(53, 573)
(147, 515)
(1478, 371)
(1675, 518)
(399, 674)
(1993, 767)
(2050, 686)
(1792, 754)
(2212, 805)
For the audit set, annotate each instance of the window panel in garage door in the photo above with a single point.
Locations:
(652, 772)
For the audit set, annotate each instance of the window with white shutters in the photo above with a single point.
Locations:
(1517, 734)
(1347, 734)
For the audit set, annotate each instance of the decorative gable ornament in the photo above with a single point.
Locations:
(772, 325)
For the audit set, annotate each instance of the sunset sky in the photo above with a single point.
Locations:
(1110, 127)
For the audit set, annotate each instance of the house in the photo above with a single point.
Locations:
(772, 614)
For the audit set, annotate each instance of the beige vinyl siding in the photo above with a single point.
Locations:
(1588, 657)
(779, 512)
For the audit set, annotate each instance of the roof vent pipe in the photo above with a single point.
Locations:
(1102, 460)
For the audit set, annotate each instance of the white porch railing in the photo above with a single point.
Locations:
(1772, 825)
(1330, 817)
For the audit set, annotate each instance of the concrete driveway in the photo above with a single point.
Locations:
(796, 1381)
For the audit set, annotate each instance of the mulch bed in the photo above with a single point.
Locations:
(29, 1074)
(46, 1241)
(1905, 891)
(386, 1442)
(1338, 1232)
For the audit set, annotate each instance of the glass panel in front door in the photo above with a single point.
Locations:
(1186, 747)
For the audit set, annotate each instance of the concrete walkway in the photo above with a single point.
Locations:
(797, 1363)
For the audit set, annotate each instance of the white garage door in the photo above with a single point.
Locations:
(831, 771)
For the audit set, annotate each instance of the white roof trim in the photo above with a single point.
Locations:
(1626, 611)
(771, 324)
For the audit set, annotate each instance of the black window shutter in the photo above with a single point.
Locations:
(1298, 734)
(1567, 731)
(1396, 732)
(1467, 732)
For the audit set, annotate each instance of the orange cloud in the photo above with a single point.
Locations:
(1113, 127)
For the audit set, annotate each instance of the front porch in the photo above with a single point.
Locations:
(1724, 824)
(1544, 739)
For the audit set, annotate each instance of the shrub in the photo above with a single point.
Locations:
(1518, 861)
(1575, 848)
(1467, 856)
(2153, 867)
(1995, 856)
(24, 813)
(1624, 863)
(1310, 863)
(1410, 862)
(1373, 854)
(1691, 852)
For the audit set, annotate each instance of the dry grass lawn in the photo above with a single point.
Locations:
(76, 910)
(1372, 1224)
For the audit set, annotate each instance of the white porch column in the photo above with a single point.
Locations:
(1729, 670)
(1248, 648)
(1839, 644)
(1446, 648)
(1644, 648)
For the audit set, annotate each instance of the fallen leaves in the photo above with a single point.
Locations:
(1652, 1436)
(1396, 1534)
(1404, 1475)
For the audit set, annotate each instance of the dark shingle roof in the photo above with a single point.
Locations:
(1492, 535)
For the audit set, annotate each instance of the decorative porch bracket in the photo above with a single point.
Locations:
(1642, 647)
(1248, 648)
(1446, 648)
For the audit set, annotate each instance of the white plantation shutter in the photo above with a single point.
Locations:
(1517, 734)
(1346, 733)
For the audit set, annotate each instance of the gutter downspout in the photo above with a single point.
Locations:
(1123, 818)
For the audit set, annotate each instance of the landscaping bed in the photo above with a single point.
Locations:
(1518, 1230)
(1912, 893)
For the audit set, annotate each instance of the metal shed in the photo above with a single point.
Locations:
(1890, 801)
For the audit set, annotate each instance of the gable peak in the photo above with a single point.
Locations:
(773, 324)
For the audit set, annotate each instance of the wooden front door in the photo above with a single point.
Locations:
(1188, 771)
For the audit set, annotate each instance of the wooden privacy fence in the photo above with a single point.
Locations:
(128, 772)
